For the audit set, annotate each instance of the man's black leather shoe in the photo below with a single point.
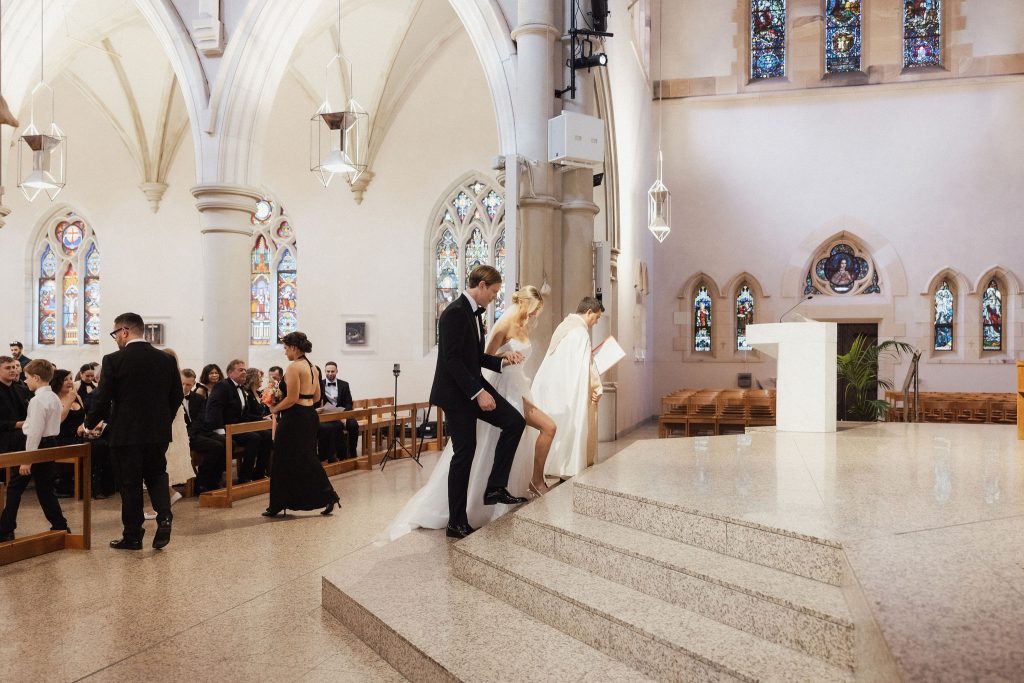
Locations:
(458, 531)
(7, 537)
(502, 496)
(126, 544)
(163, 534)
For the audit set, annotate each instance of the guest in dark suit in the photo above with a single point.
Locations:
(14, 398)
(459, 388)
(336, 395)
(229, 403)
(139, 394)
(16, 352)
(201, 440)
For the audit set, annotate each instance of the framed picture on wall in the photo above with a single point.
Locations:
(355, 333)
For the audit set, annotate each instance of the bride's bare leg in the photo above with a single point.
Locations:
(539, 420)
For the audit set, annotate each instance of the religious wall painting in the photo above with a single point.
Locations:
(992, 317)
(744, 316)
(68, 289)
(842, 36)
(842, 270)
(767, 39)
(944, 314)
(922, 33)
(702, 320)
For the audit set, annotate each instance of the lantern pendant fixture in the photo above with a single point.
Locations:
(42, 154)
(659, 207)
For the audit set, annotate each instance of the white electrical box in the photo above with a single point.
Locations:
(575, 139)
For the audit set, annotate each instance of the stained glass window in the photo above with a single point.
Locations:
(471, 219)
(744, 316)
(68, 291)
(922, 33)
(702, 320)
(287, 320)
(992, 317)
(842, 36)
(767, 38)
(273, 276)
(499, 263)
(842, 269)
(944, 317)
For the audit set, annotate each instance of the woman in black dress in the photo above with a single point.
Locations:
(297, 479)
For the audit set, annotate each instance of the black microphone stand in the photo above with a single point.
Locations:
(395, 444)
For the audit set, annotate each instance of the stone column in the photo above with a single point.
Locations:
(226, 225)
(537, 53)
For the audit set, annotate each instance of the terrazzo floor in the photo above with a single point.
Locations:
(234, 597)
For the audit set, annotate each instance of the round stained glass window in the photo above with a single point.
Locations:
(264, 210)
(71, 237)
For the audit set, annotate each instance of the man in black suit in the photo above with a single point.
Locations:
(460, 389)
(336, 395)
(16, 352)
(200, 439)
(230, 404)
(138, 395)
(14, 398)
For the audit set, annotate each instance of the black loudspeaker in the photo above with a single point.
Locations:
(599, 13)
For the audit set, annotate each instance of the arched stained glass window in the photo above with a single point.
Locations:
(68, 250)
(702, 320)
(944, 315)
(767, 39)
(273, 276)
(922, 33)
(842, 36)
(468, 230)
(992, 317)
(744, 316)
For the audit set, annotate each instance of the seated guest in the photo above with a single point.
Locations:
(14, 398)
(254, 386)
(16, 352)
(208, 379)
(86, 383)
(275, 375)
(338, 396)
(73, 431)
(42, 424)
(229, 404)
(200, 439)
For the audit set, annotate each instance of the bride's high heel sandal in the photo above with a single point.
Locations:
(535, 491)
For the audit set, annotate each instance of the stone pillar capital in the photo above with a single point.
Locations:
(536, 29)
(226, 208)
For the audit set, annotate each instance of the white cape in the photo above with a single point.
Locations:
(562, 389)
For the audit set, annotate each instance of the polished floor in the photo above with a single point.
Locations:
(234, 597)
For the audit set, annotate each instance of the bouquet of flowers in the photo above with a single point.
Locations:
(271, 396)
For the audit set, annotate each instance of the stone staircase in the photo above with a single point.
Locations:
(673, 593)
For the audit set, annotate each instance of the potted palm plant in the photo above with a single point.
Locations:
(859, 368)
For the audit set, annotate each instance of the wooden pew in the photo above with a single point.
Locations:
(50, 541)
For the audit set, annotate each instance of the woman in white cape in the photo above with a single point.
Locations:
(428, 508)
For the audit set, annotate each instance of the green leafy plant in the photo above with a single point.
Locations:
(859, 367)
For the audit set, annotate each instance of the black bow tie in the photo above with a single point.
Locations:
(332, 384)
(480, 310)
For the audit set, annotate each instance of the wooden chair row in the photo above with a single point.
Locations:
(701, 412)
(957, 407)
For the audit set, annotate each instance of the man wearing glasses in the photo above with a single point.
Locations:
(138, 395)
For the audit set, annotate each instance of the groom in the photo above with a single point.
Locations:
(460, 389)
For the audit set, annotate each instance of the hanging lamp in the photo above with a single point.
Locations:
(42, 154)
(659, 199)
(337, 135)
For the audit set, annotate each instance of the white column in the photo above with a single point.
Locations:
(226, 225)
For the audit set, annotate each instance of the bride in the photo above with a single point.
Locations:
(429, 507)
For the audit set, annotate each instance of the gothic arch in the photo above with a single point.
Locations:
(892, 274)
(1009, 279)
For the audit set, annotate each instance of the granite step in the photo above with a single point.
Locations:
(790, 610)
(813, 557)
(664, 641)
(402, 600)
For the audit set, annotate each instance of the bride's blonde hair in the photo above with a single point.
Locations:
(528, 299)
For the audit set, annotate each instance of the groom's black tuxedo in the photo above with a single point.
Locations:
(457, 381)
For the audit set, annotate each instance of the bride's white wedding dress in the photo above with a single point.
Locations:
(429, 507)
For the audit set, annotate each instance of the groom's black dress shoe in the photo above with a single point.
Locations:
(126, 544)
(502, 496)
(163, 534)
(458, 530)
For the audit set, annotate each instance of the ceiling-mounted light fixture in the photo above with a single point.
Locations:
(338, 134)
(43, 168)
(659, 199)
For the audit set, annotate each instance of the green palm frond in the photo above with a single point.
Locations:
(859, 367)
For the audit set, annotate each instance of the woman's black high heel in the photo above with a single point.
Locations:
(271, 512)
(330, 508)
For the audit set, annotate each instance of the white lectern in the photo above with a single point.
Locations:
(805, 398)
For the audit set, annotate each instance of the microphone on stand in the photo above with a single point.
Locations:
(806, 298)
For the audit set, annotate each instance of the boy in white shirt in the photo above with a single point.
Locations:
(41, 425)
